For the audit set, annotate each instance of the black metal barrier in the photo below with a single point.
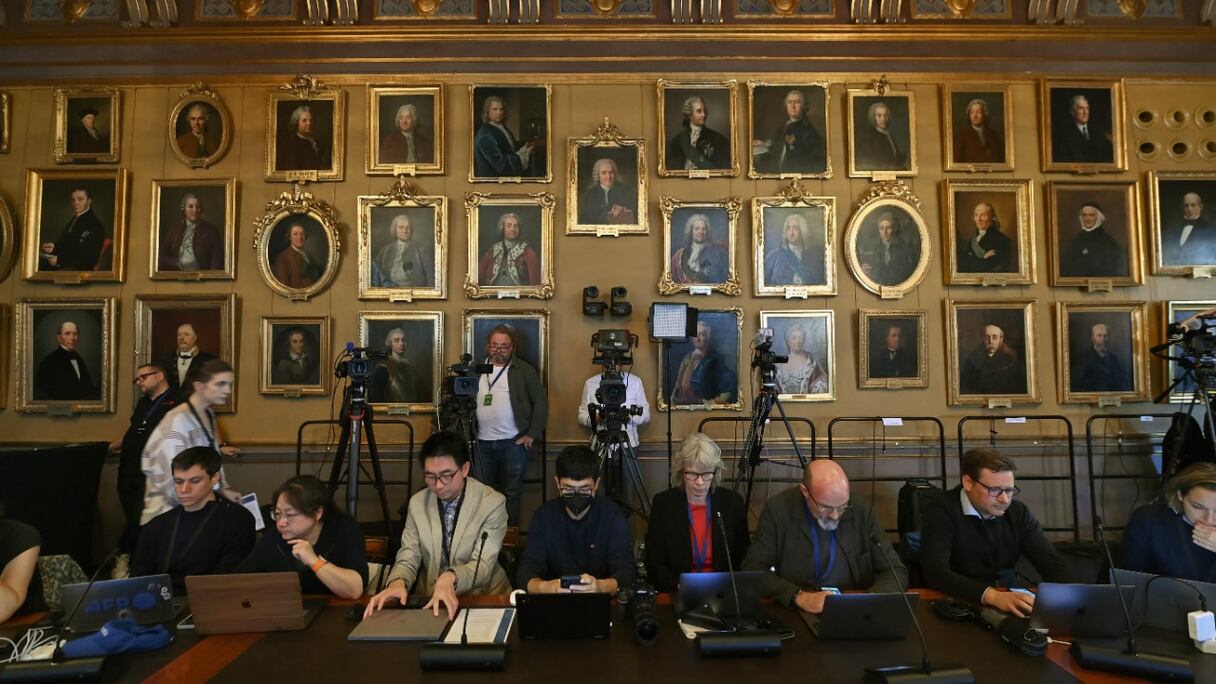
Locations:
(1089, 456)
(746, 421)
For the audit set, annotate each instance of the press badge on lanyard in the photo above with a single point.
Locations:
(489, 400)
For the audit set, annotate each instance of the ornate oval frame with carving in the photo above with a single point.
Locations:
(730, 286)
(403, 194)
(897, 195)
(198, 93)
(297, 203)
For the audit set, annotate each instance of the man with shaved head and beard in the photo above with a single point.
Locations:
(816, 537)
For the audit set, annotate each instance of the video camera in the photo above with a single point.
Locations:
(462, 379)
(458, 395)
(764, 358)
(358, 366)
(612, 350)
(1196, 343)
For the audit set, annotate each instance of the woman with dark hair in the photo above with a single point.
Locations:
(1176, 537)
(315, 540)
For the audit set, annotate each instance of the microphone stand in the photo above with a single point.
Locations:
(944, 674)
(737, 640)
(439, 655)
(1128, 661)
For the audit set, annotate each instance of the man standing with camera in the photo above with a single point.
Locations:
(613, 392)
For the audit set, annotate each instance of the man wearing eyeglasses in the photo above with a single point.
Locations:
(975, 533)
(577, 535)
(814, 539)
(442, 540)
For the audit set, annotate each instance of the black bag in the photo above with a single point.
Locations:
(1188, 439)
(913, 497)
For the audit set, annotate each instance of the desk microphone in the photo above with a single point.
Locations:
(464, 656)
(1128, 661)
(730, 567)
(736, 641)
(945, 674)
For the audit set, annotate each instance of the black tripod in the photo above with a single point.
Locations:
(459, 414)
(762, 407)
(1203, 377)
(618, 460)
(356, 419)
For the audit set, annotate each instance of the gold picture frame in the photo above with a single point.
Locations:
(388, 153)
(381, 214)
(288, 371)
(520, 103)
(888, 268)
(8, 239)
(297, 276)
(802, 151)
(873, 154)
(1176, 311)
(811, 382)
(531, 328)
(780, 271)
(199, 149)
(1063, 146)
(1117, 373)
(6, 350)
(210, 240)
(977, 148)
(485, 245)
(408, 386)
(1007, 376)
(722, 323)
(1001, 256)
(704, 157)
(75, 237)
(56, 386)
(587, 208)
(291, 157)
(898, 369)
(719, 272)
(82, 141)
(1170, 191)
(6, 121)
(213, 317)
(1094, 258)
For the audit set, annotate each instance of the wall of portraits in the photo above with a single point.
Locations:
(994, 155)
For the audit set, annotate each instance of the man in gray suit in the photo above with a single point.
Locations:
(442, 545)
(812, 539)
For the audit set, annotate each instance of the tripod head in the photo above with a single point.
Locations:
(765, 360)
(356, 365)
(458, 392)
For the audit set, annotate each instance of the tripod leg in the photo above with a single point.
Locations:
(789, 430)
(630, 457)
(335, 472)
(378, 475)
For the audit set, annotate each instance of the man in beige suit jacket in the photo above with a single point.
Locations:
(443, 533)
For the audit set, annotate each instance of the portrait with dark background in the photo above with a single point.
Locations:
(1005, 205)
(215, 122)
(422, 221)
(280, 350)
(1118, 225)
(214, 201)
(899, 128)
(723, 340)
(56, 211)
(815, 239)
(970, 324)
(419, 351)
(165, 322)
(76, 106)
(45, 333)
(719, 117)
(876, 345)
(316, 241)
(527, 339)
(1119, 345)
(959, 101)
(424, 123)
(815, 344)
(769, 117)
(626, 159)
(322, 128)
(1169, 221)
(907, 239)
(1101, 119)
(719, 229)
(529, 230)
(527, 119)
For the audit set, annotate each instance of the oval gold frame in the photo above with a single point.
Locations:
(297, 203)
(899, 195)
(201, 94)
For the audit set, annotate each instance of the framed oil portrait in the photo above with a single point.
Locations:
(200, 128)
(882, 123)
(510, 245)
(1101, 352)
(699, 246)
(76, 223)
(193, 229)
(406, 381)
(788, 126)
(705, 372)
(305, 131)
(697, 128)
(87, 129)
(180, 333)
(793, 243)
(512, 134)
(8, 240)
(886, 243)
(65, 354)
(893, 348)
(529, 328)
(1177, 312)
(403, 244)
(977, 126)
(1183, 230)
(295, 355)
(606, 184)
(1082, 126)
(808, 339)
(6, 121)
(988, 236)
(991, 352)
(1094, 234)
(405, 130)
(297, 244)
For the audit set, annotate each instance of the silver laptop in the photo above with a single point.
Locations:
(1088, 611)
(1166, 601)
(400, 624)
(862, 616)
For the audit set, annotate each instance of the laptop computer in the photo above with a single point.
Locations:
(1088, 611)
(862, 616)
(1166, 602)
(146, 600)
(268, 602)
(712, 593)
(564, 616)
(400, 624)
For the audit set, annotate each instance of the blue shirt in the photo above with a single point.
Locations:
(1158, 541)
(558, 545)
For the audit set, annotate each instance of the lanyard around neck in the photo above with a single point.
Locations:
(820, 575)
(702, 547)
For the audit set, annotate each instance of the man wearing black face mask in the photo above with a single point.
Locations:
(577, 534)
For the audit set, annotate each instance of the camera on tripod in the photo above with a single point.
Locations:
(764, 358)
(462, 379)
(358, 367)
(612, 350)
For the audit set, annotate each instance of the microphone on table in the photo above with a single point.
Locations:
(925, 672)
(439, 655)
(736, 641)
(1014, 631)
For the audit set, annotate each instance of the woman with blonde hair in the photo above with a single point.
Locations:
(1176, 537)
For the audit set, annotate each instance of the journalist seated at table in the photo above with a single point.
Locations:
(975, 534)
(815, 537)
(20, 586)
(443, 537)
(313, 539)
(685, 531)
(1177, 536)
(577, 534)
(205, 534)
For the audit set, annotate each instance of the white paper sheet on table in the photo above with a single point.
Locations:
(486, 625)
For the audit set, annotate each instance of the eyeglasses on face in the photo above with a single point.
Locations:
(277, 515)
(499, 347)
(690, 476)
(445, 477)
(994, 492)
(576, 491)
(828, 510)
(144, 376)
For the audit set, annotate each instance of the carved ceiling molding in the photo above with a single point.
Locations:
(1042, 12)
(876, 11)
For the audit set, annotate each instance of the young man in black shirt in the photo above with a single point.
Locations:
(975, 534)
(205, 535)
